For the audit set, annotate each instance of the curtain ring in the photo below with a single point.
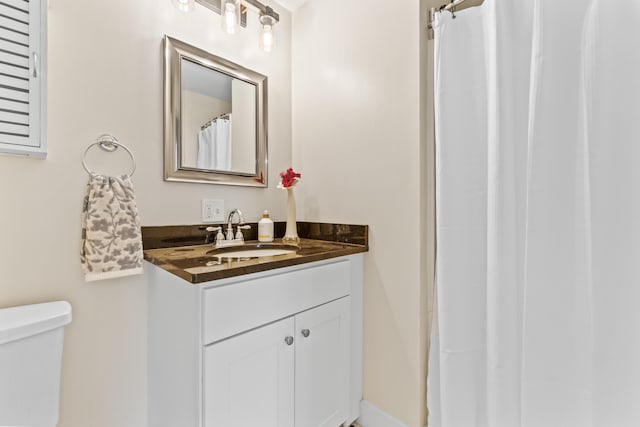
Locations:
(453, 9)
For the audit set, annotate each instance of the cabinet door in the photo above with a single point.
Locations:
(322, 365)
(249, 378)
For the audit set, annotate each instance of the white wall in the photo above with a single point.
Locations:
(358, 104)
(105, 75)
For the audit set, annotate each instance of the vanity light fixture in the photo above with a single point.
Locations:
(234, 15)
(184, 5)
(267, 21)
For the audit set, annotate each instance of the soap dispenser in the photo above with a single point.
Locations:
(265, 228)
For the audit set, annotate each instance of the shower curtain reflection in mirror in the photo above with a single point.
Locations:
(538, 216)
(214, 144)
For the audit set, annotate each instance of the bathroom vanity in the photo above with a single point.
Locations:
(274, 342)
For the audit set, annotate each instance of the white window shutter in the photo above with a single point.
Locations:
(23, 50)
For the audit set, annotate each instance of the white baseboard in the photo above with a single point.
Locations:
(372, 416)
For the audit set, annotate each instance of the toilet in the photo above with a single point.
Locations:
(31, 340)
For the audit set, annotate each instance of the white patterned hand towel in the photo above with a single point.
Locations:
(111, 237)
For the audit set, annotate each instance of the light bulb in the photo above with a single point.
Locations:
(184, 5)
(266, 38)
(230, 18)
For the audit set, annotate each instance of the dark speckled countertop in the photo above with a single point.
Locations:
(180, 249)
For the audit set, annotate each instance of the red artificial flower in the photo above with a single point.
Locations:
(289, 178)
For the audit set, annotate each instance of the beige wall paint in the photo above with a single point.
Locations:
(105, 75)
(357, 127)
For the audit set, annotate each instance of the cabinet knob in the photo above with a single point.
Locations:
(288, 340)
(306, 333)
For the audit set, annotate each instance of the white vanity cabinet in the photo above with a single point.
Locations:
(280, 348)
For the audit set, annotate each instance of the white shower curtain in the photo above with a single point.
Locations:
(223, 144)
(538, 216)
(206, 147)
(214, 145)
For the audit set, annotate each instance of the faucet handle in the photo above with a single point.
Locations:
(211, 230)
(239, 234)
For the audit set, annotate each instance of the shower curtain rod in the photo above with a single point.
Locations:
(447, 7)
(210, 122)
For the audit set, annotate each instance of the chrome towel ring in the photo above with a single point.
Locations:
(108, 143)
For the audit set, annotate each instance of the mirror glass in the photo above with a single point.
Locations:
(215, 127)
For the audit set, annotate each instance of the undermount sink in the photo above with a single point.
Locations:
(253, 251)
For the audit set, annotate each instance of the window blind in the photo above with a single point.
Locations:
(20, 82)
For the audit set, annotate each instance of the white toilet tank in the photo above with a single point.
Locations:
(31, 339)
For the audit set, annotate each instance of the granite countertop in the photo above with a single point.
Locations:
(180, 249)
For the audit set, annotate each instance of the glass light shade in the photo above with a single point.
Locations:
(184, 5)
(266, 38)
(266, 32)
(230, 11)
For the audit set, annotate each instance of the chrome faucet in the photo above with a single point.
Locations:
(238, 235)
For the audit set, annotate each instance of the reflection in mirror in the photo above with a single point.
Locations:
(212, 102)
(215, 127)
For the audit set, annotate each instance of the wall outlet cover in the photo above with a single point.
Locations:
(212, 210)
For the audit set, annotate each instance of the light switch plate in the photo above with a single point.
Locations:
(212, 210)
